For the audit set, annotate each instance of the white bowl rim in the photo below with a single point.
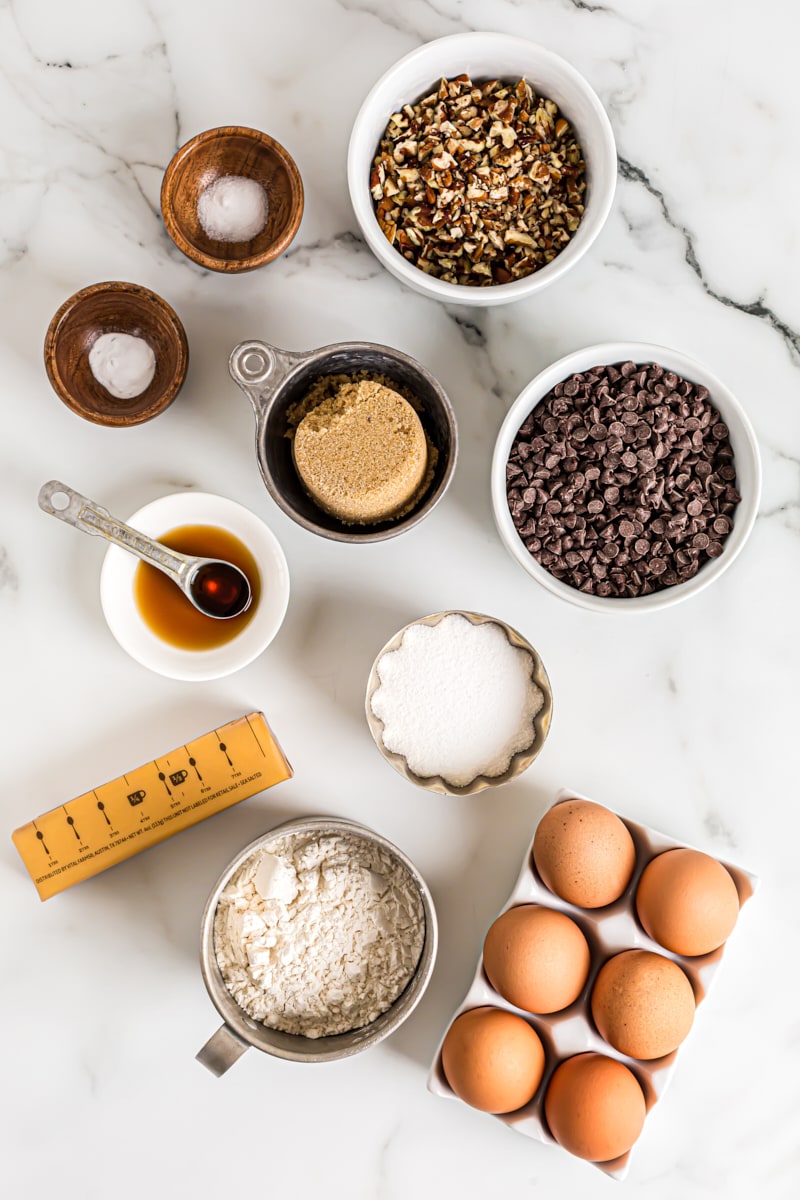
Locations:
(595, 214)
(126, 623)
(732, 412)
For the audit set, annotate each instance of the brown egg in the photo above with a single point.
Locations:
(595, 1107)
(584, 853)
(493, 1059)
(643, 1004)
(687, 901)
(537, 958)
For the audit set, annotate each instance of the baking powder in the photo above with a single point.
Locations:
(319, 935)
(233, 209)
(123, 364)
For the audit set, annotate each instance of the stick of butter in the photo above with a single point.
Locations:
(149, 804)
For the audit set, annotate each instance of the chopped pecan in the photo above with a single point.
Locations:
(479, 184)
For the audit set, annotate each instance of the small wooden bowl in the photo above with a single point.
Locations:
(232, 150)
(114, 307)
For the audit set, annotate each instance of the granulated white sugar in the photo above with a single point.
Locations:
(457, 700)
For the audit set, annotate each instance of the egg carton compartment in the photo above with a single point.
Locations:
(608, 931)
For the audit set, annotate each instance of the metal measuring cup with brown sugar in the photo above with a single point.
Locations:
(278, 381)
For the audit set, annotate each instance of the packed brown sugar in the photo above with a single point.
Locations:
(361, 451)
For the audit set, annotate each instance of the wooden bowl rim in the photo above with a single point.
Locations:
(210, 261)
(60, 386)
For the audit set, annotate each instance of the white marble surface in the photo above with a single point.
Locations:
(685, 719)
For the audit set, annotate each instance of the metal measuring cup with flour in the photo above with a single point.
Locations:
(318, 941)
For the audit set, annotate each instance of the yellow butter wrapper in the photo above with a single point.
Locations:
(145, 806)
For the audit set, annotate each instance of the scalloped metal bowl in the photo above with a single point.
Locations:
(519, 762)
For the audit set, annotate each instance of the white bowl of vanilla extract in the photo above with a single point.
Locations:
(157, 625)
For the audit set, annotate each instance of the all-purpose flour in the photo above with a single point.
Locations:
(319, 935)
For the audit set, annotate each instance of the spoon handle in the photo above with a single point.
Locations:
(68, 505)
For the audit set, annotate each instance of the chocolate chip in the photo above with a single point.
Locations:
(609, 454)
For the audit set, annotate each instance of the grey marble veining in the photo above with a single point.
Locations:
(685, 720)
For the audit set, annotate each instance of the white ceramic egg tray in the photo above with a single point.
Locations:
(608, 931)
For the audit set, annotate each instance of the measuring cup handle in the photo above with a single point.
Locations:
(259, 369)
(221, 1051)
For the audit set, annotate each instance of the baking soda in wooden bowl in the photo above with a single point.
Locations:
(458, 702)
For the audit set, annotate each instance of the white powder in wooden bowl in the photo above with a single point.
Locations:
(457, 700)
(123, 364)
(233, 209)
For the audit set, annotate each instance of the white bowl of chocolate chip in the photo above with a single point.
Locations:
(481, 167)
(625, 477)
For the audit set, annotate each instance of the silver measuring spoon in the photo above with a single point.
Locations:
(216, 588)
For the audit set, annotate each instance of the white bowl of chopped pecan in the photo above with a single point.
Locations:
(481, 167)
(626, 477)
